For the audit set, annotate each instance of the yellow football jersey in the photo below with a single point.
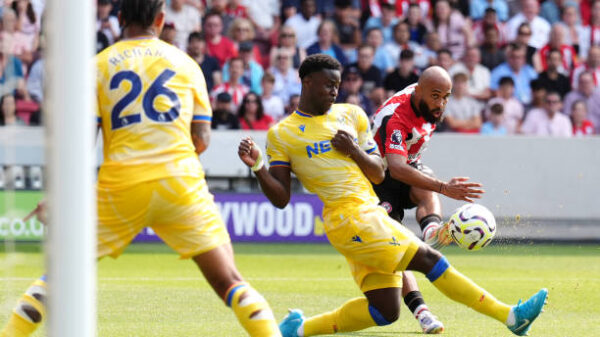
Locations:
(149, 92)
(303, 142)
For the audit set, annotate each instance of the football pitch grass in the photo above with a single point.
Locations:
(149, 292)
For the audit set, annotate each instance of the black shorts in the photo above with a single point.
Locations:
(394, 195)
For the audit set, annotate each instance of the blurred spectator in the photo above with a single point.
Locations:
(16, 42)
(523, 37)
(540, 28)
(386, 21)
(489, 20)
(592, 65)
(381, 59)
(417, 29)
(585, 91)
(251, 114)
(236, 10)
(352, 99)
(463, 113)
(370, 74)
(287, 82)
(348, 27)
(234, 87)
(478, 85)
(549, 121)
(242, 30)
(552, 79)
(327, 35)
(11, 73)
(292, 104)
(220, 7)
(568, 54)
(593, 30)
(479, 8)
(432, 47)
(210, 65)
(8, 114)
(581, 125)
(223, 116)
(289, 8)
(253, 72)
(169, 34)
(453, 30)
(402, 42)
(101, 42)
(287, 42)
(444, 59)
(494, 126)
(265, 16)
(550, 10)
(491, 54)
(521, 73)
(218, 45)
(106, 23)
(575, 33)
(350, 86)
(35, 81)
(538, 95)
(28, 21)
(273, 105)
(404, 75)
(305, 24)
(513, 109)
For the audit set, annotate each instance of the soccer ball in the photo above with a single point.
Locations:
(472, 226)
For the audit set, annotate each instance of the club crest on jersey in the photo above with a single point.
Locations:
(396, 140)
(387, 206)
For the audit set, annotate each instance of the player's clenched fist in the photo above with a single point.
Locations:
(344, 142)
(250, 154)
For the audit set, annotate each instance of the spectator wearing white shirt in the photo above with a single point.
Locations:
(513, 109)
(106, 23)
(592, 65)
(463, 113)
(35, 81)
(575, 34)
(478, 85)
(186, 19)
(287, 82)
(586, 91)
(273, 105)
(401, 41)
(305, 24)
(540, 27)
(549, 121)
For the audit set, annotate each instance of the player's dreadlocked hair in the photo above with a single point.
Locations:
(140, 12)
(318, 62)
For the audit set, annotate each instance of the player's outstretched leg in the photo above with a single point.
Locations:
(378, 308)
(461, 289)
(27, 316)
(415, 302)
(251, 309)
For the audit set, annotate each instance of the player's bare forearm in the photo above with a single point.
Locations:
(371, 165)
(200, 136)
(407, 174)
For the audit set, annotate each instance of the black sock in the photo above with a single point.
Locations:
(413, 300)
(429, 219)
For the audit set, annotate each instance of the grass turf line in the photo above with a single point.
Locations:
(149, 292)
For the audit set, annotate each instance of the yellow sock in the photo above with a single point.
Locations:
(252, 310)
(353, 315)
(461, 289)
(29, 312)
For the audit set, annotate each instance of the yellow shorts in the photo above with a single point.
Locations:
(376, 247)
(180, 210)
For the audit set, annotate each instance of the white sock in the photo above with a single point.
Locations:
(511, 320)
(300, 331)
(419, 309)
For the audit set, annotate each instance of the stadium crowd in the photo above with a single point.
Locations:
(518, 67)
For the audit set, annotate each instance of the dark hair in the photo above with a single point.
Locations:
(30, 12)
(553, 92)
(514, 46)
(537, 84)
(444, 51)
(140, 12)
(497, 109)
(407, 54)
(317, 62)
(2, 107)
(507, 80)
(260, 111)
(196, 36)
(211, 13)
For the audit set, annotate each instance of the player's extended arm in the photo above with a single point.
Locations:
(275, 182)
(200, 136)
(457, 188)
(370, 164)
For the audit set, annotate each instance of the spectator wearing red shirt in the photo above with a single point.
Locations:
(252, 115)
(235, 9)
(568, 53)
(218, 45)
(581, 125)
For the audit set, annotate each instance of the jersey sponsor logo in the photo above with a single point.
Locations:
(396, 140)
(318, 148)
